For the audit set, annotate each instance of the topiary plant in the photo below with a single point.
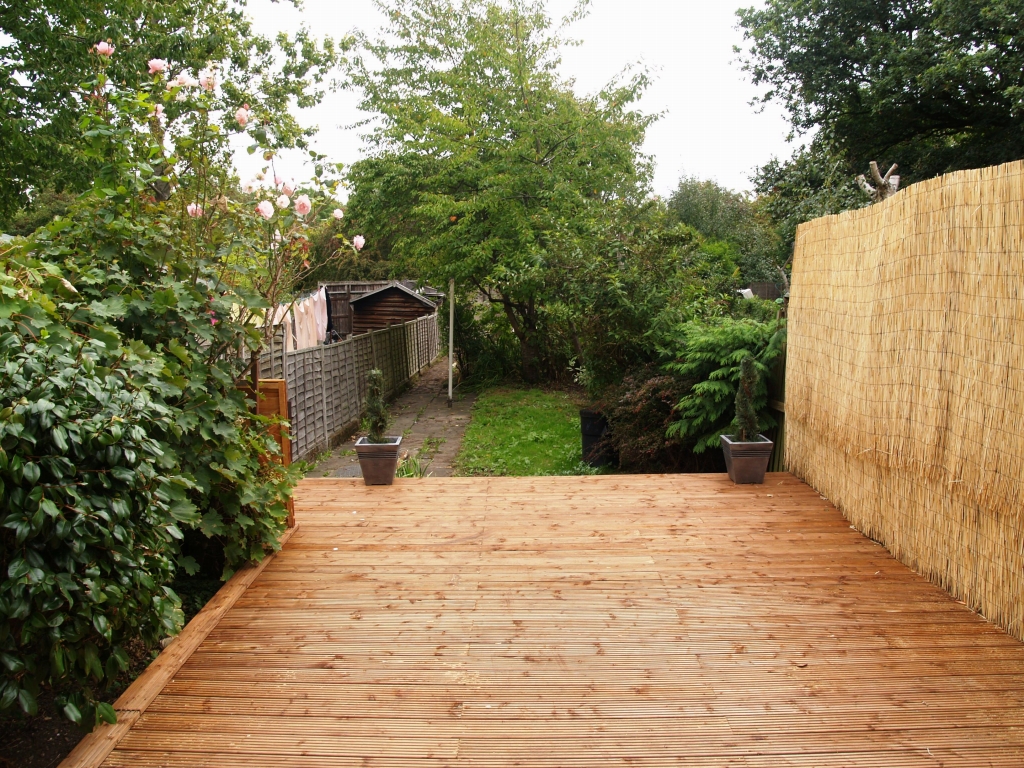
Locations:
(746, 415)
(377, 414)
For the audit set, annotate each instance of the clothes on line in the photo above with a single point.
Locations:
(304, 321)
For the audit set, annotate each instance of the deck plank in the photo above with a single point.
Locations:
(597, 621)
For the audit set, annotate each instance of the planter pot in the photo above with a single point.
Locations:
(378, 461)
(746, 462)
(597, 452)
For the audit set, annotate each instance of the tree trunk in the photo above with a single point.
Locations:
(523, 328)
(530, 366)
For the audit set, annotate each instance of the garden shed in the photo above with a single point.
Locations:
(341, 294)
(391, 305)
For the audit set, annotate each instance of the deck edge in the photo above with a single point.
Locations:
(96, 746)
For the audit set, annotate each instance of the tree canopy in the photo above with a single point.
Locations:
(47, 56)
(934, 85)
(484, 157)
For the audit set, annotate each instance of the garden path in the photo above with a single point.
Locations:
(430, 429)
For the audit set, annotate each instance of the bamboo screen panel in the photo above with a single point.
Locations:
(905, 379)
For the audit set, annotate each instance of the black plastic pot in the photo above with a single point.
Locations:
(378, 461)
(746, 462)
(597, 450)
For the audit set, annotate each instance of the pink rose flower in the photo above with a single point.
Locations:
(242, 116)
(338, 213)
(194, 210)
(288, 188)
(283, 202)
(278, 181)
(103, 48)
(302, 205)
(265, 209)
(185, 80)
(157, 65)
(208, 80)
(158, 110)
(358, 242)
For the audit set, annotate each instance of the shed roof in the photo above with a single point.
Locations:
(423, 299)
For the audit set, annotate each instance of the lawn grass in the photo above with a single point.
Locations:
(520, 432)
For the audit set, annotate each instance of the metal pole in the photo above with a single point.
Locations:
(451, 337)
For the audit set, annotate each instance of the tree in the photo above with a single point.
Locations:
(48, 55)
(816, 181)
(935, 85)
(486, 154)
(721, 214)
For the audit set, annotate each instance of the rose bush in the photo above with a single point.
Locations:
(126, 328)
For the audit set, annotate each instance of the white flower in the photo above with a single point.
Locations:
(338, 213)
(283, 202)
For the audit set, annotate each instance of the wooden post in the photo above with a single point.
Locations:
(451, 337)
(348, 304)
(270, 398)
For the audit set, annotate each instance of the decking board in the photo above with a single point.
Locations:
(598, 621)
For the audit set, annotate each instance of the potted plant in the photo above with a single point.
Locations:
(378, 454)
(747, 452)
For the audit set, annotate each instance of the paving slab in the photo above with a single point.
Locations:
(430, 429)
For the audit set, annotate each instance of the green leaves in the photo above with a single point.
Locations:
(931, 85)
(476, 177)
(711, 353)
(55, 142)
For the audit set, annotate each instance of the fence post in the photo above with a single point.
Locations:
(323, 397)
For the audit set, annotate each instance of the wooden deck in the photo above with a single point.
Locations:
(598, 621)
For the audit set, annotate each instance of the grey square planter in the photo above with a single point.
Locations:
(747, 462)
(378, 461)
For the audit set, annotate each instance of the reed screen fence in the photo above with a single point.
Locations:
(905, 378)
(327, 384)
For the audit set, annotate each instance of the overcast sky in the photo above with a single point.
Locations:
(709, 129)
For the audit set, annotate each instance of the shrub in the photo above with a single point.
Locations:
(746, 416)
(377, 415)
(640, 411)
(486, 349)
(711, 353)
(89, 502)
(125, 329)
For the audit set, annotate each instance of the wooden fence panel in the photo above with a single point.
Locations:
(326, 385)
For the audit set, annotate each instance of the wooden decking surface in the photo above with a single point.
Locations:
(597, 621)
